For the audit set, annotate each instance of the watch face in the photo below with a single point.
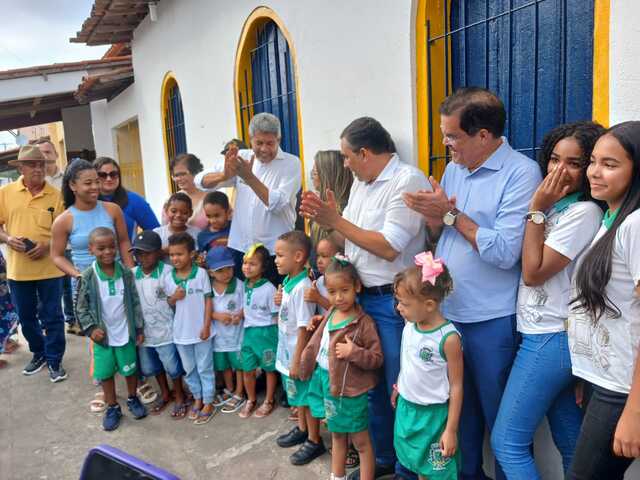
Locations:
(537, 218)
(449, 219)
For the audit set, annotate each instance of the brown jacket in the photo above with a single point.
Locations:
(358, 374)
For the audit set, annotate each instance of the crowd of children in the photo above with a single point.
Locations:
(184, 313)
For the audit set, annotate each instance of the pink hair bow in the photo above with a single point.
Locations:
(431, 267)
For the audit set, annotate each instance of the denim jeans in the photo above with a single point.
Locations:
(381, 416)
(39, 305)
(489, 348)
(155, 360)
(594, 457)
(67, 296)
(540, 384)
(197, 360)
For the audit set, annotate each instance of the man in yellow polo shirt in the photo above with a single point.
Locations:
(28, 207)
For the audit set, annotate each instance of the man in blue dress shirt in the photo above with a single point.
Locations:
(478, 213)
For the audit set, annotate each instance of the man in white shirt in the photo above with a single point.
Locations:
(267, 181)
(53, 174)
(381, 237)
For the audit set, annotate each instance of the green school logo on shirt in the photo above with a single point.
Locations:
(231, 306)
(437, 461)
(426, 354)
(284, 314)
(268, 356)
(330, 409)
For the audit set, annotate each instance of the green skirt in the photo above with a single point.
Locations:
(417, 433)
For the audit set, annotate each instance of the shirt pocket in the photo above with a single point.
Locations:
(373, 219)
(44, 219)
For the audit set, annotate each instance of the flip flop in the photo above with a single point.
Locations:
(159, 405)
(179, 411)
(147, 394)
(98, 405)
(193, 413)
(205, 417)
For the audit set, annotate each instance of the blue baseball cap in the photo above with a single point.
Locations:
(219, 257)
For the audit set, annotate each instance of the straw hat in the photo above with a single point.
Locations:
(29, 153)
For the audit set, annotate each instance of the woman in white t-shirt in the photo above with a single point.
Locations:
(604, 319)
(560, 225)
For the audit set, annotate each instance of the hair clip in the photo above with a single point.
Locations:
(431, 267)
(341, 259)
(252, 250)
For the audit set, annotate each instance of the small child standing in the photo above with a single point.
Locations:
(292, 252)
(189, 292)
(428, 397)
(158, 354)
(260, 331)
(228, 297)
(216, 207)
(108, 309)
(178, 210)
(317, 293)
(343, 356)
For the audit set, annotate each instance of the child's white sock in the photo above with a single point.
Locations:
(335, 477)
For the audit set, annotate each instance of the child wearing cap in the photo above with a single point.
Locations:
(227, 316)
(158, 354)
(109, 312)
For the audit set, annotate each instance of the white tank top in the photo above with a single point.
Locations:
(423, 364)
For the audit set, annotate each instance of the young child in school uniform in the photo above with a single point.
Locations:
(260, 331)
(178, 210)
(292, 252)
(317, 293)
(428, 395)
(108, 309)
(341, 359)
(227, 316)
(189, 291)
(216, 207)
(158, 354)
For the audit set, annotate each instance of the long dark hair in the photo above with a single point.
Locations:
(71, 174)
(120, 196)
(595, 271)
(585, 134)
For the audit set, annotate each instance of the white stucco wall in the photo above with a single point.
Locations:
(624, 68)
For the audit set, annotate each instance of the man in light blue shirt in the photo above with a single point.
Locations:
(479, 213)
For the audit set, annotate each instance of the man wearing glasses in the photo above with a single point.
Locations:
(28, 207)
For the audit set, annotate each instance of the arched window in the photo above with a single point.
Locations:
(173, 128)
(537, 55)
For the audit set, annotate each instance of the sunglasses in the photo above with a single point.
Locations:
(113, 175)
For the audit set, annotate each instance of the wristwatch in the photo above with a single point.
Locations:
(537, 217)
(449, 218)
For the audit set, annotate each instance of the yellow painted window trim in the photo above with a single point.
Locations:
(602, 16)
(168, 82)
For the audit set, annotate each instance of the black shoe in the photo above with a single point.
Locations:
(308, 452)
(57, 374)
(381, 471)
(292, 438)
(34, 366)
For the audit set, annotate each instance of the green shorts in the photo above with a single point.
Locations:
(226, 360)
(296, 391)
(259, 348)
(343, 414)
(109, 360)
(416, 438)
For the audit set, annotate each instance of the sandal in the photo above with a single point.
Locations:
(293, 415)
(247, 409)
(234, 404)
(353, 459)
(98, 405)
(205, 417)
(265, 409)
(193, 413)
(11, 346)
(179, 411)
(147, 394)
(159, 405)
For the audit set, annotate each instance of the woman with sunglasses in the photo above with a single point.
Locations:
(136, 210)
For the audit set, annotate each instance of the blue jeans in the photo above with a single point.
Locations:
(156, 360)
(381, 416)
(197, 360)
(540, 384)
(489, 348)
(39, 305)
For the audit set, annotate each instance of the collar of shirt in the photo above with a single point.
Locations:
(248, 153)
(46, 188)
(495, 161)
(289, 283)
(388, 171)
(111, 281)
(155, 273)
(231, 288)
(565, 202)
(181, 282)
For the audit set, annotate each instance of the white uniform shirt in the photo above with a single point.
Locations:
(544, 309)
(259, 308)
(322, 288)
(323, 354)
(253, 221)
(294, 313)
(424, 378)
(157, 313)
(228, 338)
(605, 353)
(114, 317)
(379, 206)
(165, 233)
(189, 316)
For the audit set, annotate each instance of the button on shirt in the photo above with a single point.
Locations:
(255, 221)
(378, 206)
(496, 197)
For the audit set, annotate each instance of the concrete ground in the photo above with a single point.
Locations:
(46, 431)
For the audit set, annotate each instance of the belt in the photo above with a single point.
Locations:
(379, 291)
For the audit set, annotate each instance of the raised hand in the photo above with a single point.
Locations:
(344, 350)
(277, 298)
(312, 294)
(555, 186)
(433, 205)
(314, 322)
(324, 213)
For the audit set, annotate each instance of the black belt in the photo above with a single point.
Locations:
(379, 291)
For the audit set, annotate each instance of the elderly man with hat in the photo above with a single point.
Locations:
(28, 207)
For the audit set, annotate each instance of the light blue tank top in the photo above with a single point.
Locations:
(84, 222)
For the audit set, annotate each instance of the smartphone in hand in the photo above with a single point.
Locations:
(28, 244)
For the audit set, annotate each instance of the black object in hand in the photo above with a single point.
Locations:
(28, 244)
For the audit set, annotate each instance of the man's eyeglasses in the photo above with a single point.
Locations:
(112, 175)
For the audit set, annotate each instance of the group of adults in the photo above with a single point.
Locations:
(383, 216)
